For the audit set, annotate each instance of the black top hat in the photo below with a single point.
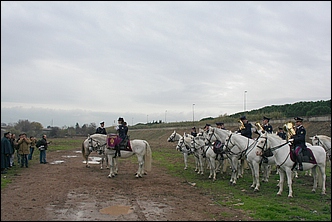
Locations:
(298, 119)
(102, 122)
(268, 119)
(243, 118)
(120, 119)
(280, 128)
(207, 125)
(193, 128)
(219, 123)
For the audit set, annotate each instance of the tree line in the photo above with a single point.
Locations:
(302, 109)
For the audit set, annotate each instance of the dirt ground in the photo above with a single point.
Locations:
(65, 190)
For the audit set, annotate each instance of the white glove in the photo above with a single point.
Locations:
(291, 140)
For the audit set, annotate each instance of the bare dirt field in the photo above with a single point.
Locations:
(68, 191)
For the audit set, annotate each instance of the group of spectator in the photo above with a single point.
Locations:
(23, 147)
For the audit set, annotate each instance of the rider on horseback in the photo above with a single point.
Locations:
(122, 130)
(298, 144)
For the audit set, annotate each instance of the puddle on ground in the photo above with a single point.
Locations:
(69, 156)
(78, 151)
(57, 162)
(116, 210)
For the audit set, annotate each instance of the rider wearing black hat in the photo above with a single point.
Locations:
(266, 125)
(298, 143)
(246, 131)
(101, 128)
(220, 125)
(281, 133)
(122, 130)
(193, 132)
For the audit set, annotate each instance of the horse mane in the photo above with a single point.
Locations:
(275, 136)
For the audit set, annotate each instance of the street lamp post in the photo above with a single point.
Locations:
(193, 113)
(165, 115)
(245, 102)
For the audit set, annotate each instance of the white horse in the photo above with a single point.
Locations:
(140, 148)
(283, 158)
(175, 137)
(89, 145)
(198, 142)
(324, 141)
(185, 144)
(238, 147)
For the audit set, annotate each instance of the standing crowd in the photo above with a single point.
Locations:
(23, 147)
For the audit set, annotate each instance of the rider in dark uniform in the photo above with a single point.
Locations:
(193, 132)
(298, 144)
(122, 130)
(281, 133)
(101, 129)
(266, 125)
(246, 131)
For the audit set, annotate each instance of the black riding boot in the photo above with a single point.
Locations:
(299, 160)
(117, 150)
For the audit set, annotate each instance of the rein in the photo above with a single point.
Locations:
(274, 148)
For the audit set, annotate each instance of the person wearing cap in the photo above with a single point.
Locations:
(246, 131)
(266, 125)
(193, 132)
(220, 125)
(281, 133)
(101, 129)
(207, 127)
(122, 130)
(298, 143)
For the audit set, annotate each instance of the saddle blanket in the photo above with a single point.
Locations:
(308, 156)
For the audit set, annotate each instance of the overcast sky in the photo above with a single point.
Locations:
(64, 63)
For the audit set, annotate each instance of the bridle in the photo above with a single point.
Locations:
(98, 147)
(172, 137)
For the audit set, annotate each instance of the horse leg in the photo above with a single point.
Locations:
(314, 172)
(322, 178)
(139, 173)
(185, 157)
(111, 160)
(289, 182)
(200, 158)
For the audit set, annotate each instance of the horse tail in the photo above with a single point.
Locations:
(147, 157)
(83, 150)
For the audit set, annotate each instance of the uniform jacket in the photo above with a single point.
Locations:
(268, 128)
(101, 130)
(247, 130)
(5, 151)
(299, 137)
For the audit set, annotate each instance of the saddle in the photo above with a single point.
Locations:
(113, 141)
(307, 156)
(217, 147)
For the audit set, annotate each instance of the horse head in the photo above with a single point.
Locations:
(172, 137)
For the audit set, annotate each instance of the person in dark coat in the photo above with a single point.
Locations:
(193, 132)
(246, 131)
(266, 125)
(298, 144)
(220, 125)
(281, 133)
(122, 130)
(5, 152)
(101, 129)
